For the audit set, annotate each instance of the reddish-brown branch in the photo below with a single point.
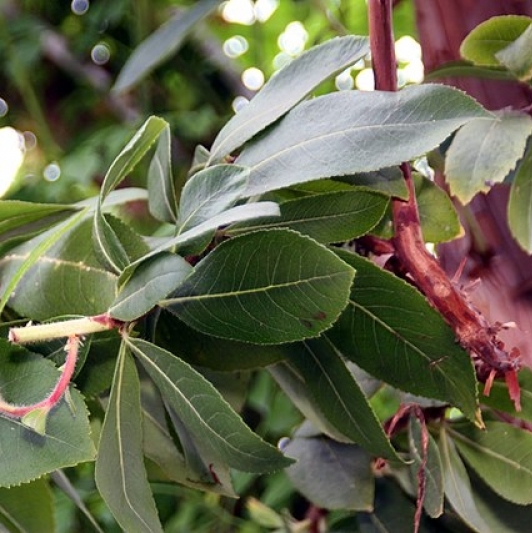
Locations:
(472, 330)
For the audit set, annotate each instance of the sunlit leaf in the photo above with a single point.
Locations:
(120, 474)
(27, 455)
(458, 69)
(344, 471)
(491, 36)
(516, 56)
(205, 414)
(501, 456)
(161, 44)
(391, 331)
(333, 217)
(265, 287)
(483, 152)
(284, 90)
(349, 132)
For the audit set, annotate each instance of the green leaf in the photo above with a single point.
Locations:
(28, 378)
(21, 219)
(491, 36)
(355, 136)
(500, 515)
(161, 44)
(13, 267)
(339, 396)
(106, 241)
(520, 203)
(288, 87)
(437, 214)
(344, 471)
(202, 350)
(458, 490)
(205, 414)
(391, 331)
(120, 474)
(160, 447)
(388, 181)
(333, 217)
(501, 457)
(210, 192)
(65, 279)
(162, 196)
(516, 56)
(266, 287)
(152, 281)
(499, 398)
(432, 471)
(27, 508)
(483, 152)
(459, 69)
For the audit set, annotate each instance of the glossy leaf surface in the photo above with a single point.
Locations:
(265, 287)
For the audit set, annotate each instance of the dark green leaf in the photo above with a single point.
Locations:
(520, 203)
(288, 87)
(491, 36)
(331, 474)
(120, 474)
(501, 456)
(152, 281)
(27, 508)
(202, 350)
(65, 279)
(265, 287)
(21, 219)
(333, 217)
(500, 399)
(27, 378)
(205, 414)
(388, 181)
(458, 69)
(161, 44)
(516, 56)
(391, 331)
(210, 192)
(162, 196)
(106, 241)
(339, 396)
(484, 151)
(458, 490)
(432, 471)
(349, 132)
